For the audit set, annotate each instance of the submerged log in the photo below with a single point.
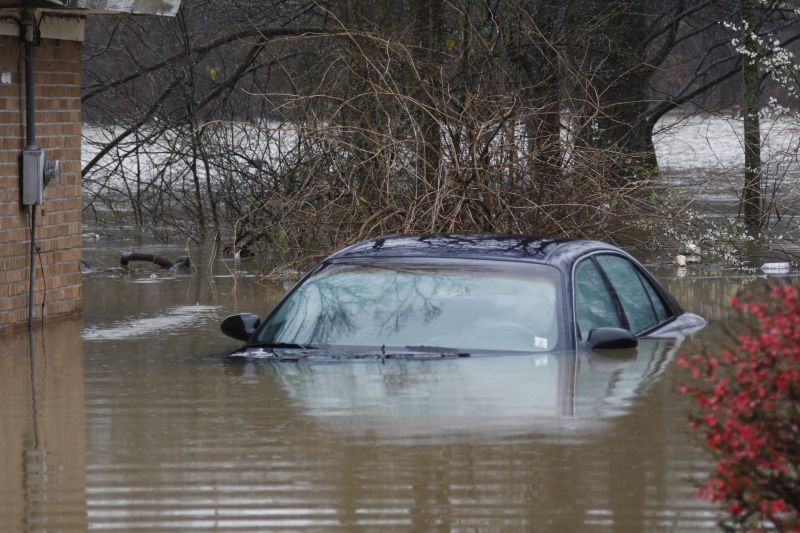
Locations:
(162, 262)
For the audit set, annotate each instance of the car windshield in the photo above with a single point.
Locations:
(463, 304)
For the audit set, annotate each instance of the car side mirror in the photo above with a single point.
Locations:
(611, 338)
(240, 326)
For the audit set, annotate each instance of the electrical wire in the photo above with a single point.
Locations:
(44, 281)
(38, 250)
(32, 209)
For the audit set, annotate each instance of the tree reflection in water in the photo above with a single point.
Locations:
(470, 305)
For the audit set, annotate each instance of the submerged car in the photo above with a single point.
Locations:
(459, 295)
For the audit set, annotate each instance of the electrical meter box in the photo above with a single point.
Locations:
(32, 176)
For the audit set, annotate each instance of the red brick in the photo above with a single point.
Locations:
(57, 76)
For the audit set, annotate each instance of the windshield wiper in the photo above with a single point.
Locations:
(441, 350)
(281, 345)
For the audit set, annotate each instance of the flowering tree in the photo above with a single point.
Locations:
(756, 39)
(748, 412)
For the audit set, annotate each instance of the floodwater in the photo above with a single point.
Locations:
(130, 420)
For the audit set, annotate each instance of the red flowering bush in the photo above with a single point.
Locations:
(748, 413)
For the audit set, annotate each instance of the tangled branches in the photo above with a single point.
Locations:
(392, 145)
(296, 140)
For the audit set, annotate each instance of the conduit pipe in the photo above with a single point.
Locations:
(29, 36)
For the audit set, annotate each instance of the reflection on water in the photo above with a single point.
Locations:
(42, 438)
(561, 395)
(708, 292)
(171, 320)
(137, 424)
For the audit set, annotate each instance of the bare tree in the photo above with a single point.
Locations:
(309, 124)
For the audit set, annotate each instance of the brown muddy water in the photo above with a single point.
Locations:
(129, 420)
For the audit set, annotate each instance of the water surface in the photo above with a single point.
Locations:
(130, 420)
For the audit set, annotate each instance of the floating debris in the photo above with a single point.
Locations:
(778, 267)
(681, 260)
(180, 264)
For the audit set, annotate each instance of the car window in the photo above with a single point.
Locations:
(633, 296)
(658, 304)
(594, 304)
(464, 304)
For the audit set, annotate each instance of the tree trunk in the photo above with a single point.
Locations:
(615, 92)
(622, 134)
(428, 34)
(532, 40)
(363, 118)
(751, 197)
(546, 121)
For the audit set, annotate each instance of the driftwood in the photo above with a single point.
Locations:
(163, 262)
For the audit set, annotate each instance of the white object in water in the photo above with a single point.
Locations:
(692, 249)
(780, 267)
(680, 260)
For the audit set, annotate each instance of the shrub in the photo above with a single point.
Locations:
(748, 413)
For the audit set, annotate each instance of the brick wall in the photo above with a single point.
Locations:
(58, 232)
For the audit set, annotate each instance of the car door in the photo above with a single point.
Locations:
(611, 291)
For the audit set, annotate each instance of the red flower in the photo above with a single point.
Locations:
(748, 408)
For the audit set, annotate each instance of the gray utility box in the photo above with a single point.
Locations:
(32, 176)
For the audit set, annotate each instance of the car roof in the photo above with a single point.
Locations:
(506, 247)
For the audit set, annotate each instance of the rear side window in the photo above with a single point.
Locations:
(655, 299)
(639, 300)
(594, 304)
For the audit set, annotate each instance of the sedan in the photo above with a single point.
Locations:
(459, 295)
